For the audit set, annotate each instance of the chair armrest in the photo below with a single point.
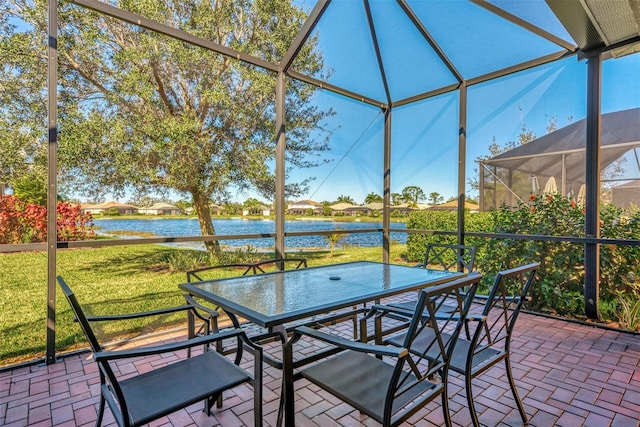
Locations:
(194, 304)
(380, 350)
(190, 306)
(476, 318)
(396, 311)
(139, 314)
(390, 309)
(486, 297)
(147, 351)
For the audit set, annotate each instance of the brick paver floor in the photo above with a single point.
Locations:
(568, 374)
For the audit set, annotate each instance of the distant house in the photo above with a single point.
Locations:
(453, 205)
(301, 207)
(346, 209)
(108, 208)
(262, 209)
(370, 208)
(404, 208)
(215, 209)
(160, 209)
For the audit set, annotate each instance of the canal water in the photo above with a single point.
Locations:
(165, 227)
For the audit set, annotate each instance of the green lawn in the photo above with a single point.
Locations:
(106, 281)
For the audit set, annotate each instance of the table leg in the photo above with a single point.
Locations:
(287, 386)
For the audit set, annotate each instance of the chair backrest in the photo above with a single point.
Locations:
(450, 257)
(431, 342)
(239, 269)
(80, 316)
(280, 264)
(503, 304)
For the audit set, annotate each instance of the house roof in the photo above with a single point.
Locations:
(374, 206)
(565, 148)
(453, 205)
(161, 206)
(305, 202)
(109, 205)
(343, 206)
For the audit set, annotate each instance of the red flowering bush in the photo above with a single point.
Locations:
(22, 222)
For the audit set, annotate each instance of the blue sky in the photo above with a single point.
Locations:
(424, 139)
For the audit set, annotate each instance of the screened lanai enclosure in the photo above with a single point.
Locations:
(401, 103)
(555, 163)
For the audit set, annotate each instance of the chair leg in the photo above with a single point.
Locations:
(514, 390)
(208, 403)
(445, 407)
(472, 407)
(100, 411)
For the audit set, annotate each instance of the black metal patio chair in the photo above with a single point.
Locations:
(445, 257)
(268, 265)
(217, 271)
(491, 341)
(137, 400)
(389, 383)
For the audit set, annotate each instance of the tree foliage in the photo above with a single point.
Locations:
(435, 198)
(413, 195)
(143, 111)
(345, 199)
(373, 198)
(23, 106)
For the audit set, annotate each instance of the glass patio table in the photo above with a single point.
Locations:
(274, 299)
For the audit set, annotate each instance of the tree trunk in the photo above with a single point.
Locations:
(201, 204)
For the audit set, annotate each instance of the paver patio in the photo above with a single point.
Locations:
(568, 374)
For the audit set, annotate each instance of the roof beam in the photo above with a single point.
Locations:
(425, 95)
(167, 30)
(521, 67)
(336, 89)
(303, 34)
(526, 25)
(376, 46)
(429, 38)
(585, 54)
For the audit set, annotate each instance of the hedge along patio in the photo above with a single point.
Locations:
(592, 41)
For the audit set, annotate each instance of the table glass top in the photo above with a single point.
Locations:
(299, 290)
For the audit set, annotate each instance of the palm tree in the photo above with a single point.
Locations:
(435, 198)
(373, 198)
(345, 199)
(334, 239)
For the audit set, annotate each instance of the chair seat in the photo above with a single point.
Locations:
(406, 305)
(458, 360)
(362, 381)
(484, 356)
(167, 389)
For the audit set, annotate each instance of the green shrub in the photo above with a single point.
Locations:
(245, 255)
(429, 220)
(184, 260)
(559, 288)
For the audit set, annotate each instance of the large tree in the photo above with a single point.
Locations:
(149, 113)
